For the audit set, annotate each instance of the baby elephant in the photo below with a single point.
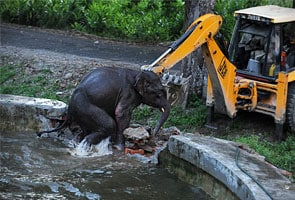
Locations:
(103, 102)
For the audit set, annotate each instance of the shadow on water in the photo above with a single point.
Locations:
(46, 168)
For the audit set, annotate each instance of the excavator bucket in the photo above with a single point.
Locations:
(177, 88)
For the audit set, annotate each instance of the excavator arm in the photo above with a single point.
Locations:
(196, 35)
(221, 71)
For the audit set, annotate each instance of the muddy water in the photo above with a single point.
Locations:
(46, 168)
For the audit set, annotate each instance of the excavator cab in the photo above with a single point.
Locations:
(260, 47)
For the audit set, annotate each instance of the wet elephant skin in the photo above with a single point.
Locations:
(103, 102)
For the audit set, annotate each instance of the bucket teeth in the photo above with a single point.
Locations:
(177, 88)
(172, 78)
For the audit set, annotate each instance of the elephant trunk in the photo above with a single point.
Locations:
(166, 111)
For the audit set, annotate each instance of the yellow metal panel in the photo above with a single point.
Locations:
(222, 76)
(291, 76)
(282, 91)
(210, 97)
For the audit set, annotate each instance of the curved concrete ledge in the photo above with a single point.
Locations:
(20, 113)
(217, 158)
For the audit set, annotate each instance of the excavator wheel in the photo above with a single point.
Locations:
(291, 108)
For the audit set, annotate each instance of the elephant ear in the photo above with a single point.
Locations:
(140, 83)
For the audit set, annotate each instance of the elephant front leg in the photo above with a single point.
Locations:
(122, 117)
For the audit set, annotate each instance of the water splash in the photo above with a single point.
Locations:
(84, 149)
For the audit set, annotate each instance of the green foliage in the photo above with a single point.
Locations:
(142, 112)
(53, 13)
(186, 120)
(226, 9)
(6, 73)
(14, 80)
(280, 154)
(140, 20)
(144, 20)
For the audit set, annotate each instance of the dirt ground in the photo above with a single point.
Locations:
(70, 55)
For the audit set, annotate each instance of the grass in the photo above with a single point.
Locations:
(15, 80)
(186, 120)
(279, 154)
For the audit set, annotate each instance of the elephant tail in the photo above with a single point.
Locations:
(65, 122)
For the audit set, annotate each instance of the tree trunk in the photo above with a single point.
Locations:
(193, 64)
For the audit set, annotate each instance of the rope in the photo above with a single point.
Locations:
(237, 163)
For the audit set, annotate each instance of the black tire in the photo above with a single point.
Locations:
(290, 112)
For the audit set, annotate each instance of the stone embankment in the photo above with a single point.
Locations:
(193, 157)
(28, 114)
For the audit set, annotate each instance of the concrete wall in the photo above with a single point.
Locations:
(19, 113)
(210, 164)
(193, 175)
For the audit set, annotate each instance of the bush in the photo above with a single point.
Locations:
(144, 20)
(139, 20)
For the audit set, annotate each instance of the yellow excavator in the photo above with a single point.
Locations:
(256, 72)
